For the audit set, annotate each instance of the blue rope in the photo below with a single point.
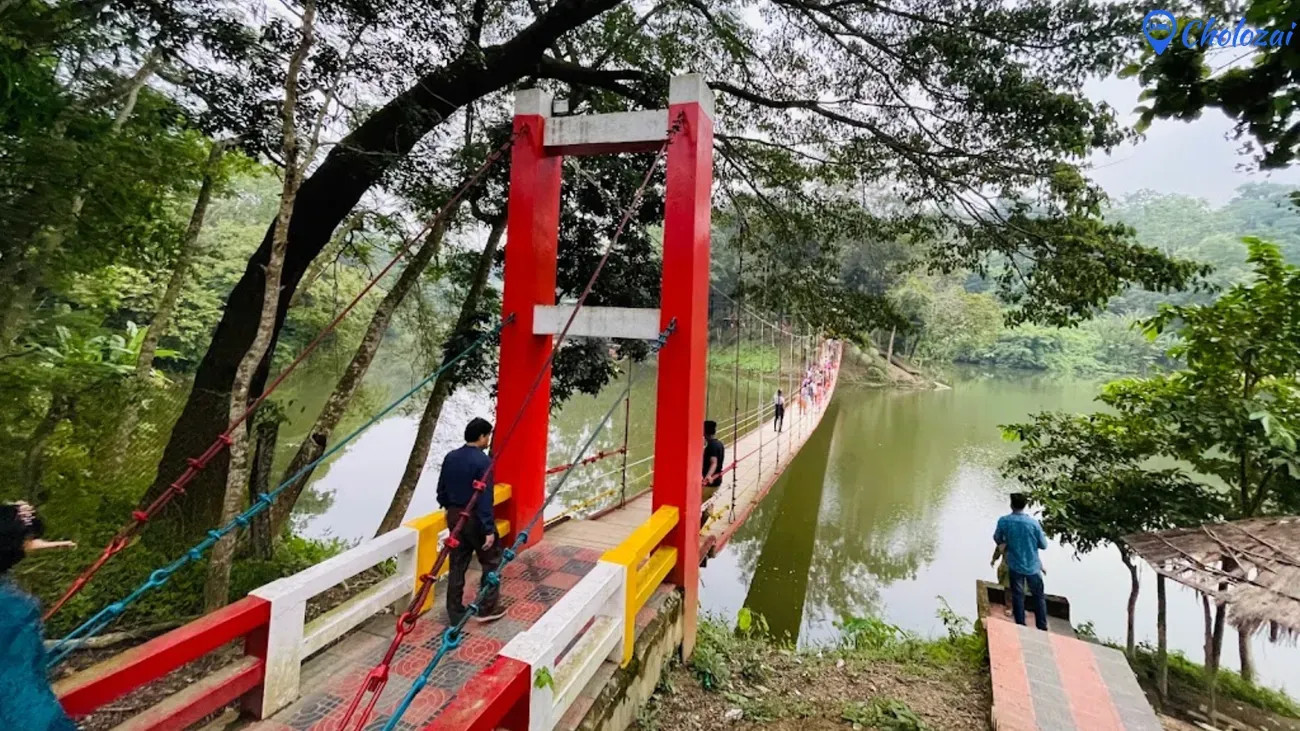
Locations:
(454, 635)
(159, 577)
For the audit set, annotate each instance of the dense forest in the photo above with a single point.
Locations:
(957, 318)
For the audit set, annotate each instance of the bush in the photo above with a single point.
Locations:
(722, 653)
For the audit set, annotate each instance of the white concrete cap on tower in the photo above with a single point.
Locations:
(688, 88)
(532, 102)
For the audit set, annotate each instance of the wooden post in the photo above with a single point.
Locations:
(1162, 646)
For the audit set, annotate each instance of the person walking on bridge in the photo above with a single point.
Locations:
(1021, 538)
(462, 469)
(778, 412)
(715, 452)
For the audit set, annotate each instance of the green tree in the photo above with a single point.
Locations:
(1091, 476)
(1227, 420)
(1260, 96)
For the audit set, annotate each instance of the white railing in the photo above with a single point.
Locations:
(291, 639)
(593, 613)
(597, 617)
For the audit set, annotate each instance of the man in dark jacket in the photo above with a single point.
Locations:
(462, 470)
(714, 454)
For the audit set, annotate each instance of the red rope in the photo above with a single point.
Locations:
(139, 518)
(377, 678)
(598, 456)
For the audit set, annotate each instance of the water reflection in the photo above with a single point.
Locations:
(892, 504)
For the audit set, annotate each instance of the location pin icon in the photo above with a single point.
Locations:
(1157, 21)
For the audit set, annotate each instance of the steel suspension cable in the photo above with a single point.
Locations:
(122, 539)
(735, 414)
(627, 426)
(159, 577)
(375, 681)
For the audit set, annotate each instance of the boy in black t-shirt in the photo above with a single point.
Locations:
(715, 453)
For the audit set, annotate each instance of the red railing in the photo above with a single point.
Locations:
(91, 689)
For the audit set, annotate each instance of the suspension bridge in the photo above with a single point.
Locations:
(598, 596)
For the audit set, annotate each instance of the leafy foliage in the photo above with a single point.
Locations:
(1229, 684)
(1228, 418)
(1112, 342)
(1260, 96)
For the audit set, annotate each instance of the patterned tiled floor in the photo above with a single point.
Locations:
(1045, 681)
(531, 585)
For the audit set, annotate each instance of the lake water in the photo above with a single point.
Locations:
(889, 506)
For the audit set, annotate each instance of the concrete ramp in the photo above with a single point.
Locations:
(1046, 681)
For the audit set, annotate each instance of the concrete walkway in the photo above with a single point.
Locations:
(1047, 681)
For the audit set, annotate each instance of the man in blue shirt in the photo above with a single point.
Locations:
(462, 470)
(1021, 538)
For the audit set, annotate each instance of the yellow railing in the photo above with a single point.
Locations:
(647, 564)
(429, 526)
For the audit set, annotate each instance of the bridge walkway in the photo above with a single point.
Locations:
(531, 585)
(756, 469)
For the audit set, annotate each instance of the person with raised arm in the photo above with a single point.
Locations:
(26, 700)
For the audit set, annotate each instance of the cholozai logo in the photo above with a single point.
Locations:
(1161, 27)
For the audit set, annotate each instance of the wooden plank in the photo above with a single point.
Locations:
(111, 679)
(200, 698)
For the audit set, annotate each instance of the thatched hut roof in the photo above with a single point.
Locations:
(1253, 565)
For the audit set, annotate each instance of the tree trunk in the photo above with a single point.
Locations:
(348, 171)
(139, 383)
(1130, 645)
(442, 387)
(350, 382)
(889, 357)
(1247, 658)
(34, 459)
(1162, 642)
(216, 589)
(324, 259)
(261, 535)
(1212, 669)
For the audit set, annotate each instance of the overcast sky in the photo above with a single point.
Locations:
(1195, 158)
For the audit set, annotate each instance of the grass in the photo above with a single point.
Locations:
(1185, 672)
(871, 638)
(875, 675)
(886, 714)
